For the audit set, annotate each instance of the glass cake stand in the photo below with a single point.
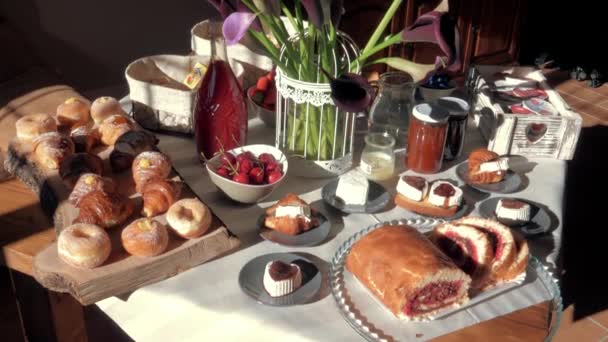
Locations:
(371, 320)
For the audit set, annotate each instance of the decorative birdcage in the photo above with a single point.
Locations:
(316, 136)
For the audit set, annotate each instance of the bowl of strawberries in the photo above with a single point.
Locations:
(261, 99)
(248, 174)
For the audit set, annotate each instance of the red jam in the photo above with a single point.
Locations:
(432, 294)
(426, 139)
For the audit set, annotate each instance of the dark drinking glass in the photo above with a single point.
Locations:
(457, 125)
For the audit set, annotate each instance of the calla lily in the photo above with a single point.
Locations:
(236, 26)
(350, 92)
(337, 10)
(222, 6)
(318, 11)
(438, 28)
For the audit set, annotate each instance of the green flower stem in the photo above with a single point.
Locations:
(390, 40)
(382, 26)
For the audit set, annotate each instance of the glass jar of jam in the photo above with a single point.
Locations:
(426, 138)
(457, 125)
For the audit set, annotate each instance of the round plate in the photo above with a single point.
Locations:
(464, 209)
(540, 221)
(252, 276)
(372, 321)
(377, 198)
(509, 184)
(309, 238)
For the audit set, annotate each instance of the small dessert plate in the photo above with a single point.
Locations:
(310, 238)
(251, 280)
(540, 221)
(540, 107)
(377, 198)
(509, 184)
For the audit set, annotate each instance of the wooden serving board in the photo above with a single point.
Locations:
(121, 273)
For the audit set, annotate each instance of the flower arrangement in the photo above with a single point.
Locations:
(307, 54)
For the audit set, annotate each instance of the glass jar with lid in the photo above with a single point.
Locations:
(377, 158)
(426, 138)
(390, 110)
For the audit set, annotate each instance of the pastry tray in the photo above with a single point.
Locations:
(374, 322)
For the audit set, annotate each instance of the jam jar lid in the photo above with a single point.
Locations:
(430, 113)
(454, 105)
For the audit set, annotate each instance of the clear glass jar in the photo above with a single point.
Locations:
(426, 138)
(391, 108)
(377, 158)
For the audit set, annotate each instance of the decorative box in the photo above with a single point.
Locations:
(532, 135)
(160, 100)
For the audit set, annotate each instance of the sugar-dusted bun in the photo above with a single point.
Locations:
(50, 149)
(148, 166)
(103, 107)
(112, 127)
(33, 125)
(145, 237)
(73, 112)
(189, 218)
(83, 245)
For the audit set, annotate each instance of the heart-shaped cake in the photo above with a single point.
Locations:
(281, 278)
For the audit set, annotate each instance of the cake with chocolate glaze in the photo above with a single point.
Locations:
(281, 279)
(513, 210)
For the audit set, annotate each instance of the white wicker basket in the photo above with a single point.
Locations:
(160, 100)
(507, 133)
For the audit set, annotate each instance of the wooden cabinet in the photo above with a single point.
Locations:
(489, 29)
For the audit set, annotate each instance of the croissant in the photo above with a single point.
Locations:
(104, 209)
(50, 149)
(130, 145)
(77, 164)
(84, 138)
(89, 182)
(148, 166)
(158, 196)
(112, 127)
(476, 159)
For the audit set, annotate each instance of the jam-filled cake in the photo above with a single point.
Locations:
(438, 199)
(513, 210)
(406, 272)
(281, 279)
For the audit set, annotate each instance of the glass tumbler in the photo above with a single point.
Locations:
(377, 158)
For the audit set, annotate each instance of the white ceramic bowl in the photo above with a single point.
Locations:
(430, 95)
(246, 193)
(266, 115)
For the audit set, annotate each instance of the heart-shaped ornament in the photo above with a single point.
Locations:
(535, 131)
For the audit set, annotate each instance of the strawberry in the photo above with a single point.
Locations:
(262, 84)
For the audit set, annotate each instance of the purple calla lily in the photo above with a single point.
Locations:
(314, 9)
(236, 26)
(350, 92)
(438, 28)
(224, 7)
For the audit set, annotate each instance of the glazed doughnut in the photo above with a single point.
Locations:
(105, 106)
(83, 245)
(112, 127)
(50, 149)
(33, 125)
(150, 165)
(84, 137)
(89, 182)
(77, 164)
(189, 218)
(73, 112)
(145, 238)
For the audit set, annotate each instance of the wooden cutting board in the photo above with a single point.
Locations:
(121, 273)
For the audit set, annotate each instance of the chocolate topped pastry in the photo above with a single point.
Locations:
(281, 279)
(512, 203)
(445, 190)
(77, 164)
(415, 181)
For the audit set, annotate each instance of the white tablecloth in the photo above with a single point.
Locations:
(206, 303)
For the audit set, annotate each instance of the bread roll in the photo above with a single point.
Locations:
(83, 245)
(50, 149)
(33, 125)
(105, 106)
(189, 218)
(145, 238)
(73, 112)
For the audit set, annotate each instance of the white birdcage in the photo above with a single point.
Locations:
(316, 136)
